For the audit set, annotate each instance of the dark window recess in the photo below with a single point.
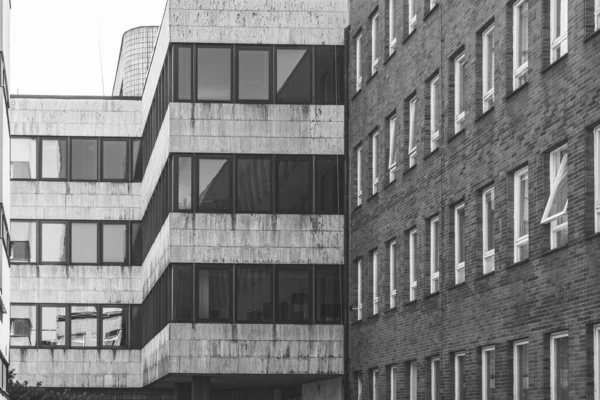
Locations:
(114, 243)
(184, 183)
(254, 185)
(84, 159)
(294, 188)
(84, 243)
(23, 325)
(54, 159)
(184, 73)
(293, 76)
(136, 244)
(214, 73)
(254, 294)
(23, 245)
(341, 74)
(214, 184)
(114, 326)
(54, 324)
(293, 295)
(136, 327)
(84, 326)
(183, 297)
(54, 242)
(137, 172)
(329, 186)
(328, 295)
(114, 160)
(325, 83)
(253, 75)
(213, 285)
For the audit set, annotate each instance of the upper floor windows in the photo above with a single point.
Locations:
(521, 370)
(412, 132)
(559, 366)
(520, 42)
(375, 265)
(374, 34)
(559, 29)
(359, 176)
(459, 244)
(488, 373)
(412, 264)
(358, 48)
(488, 68)
(434, 232)
(459, 93)
(393, 148)
(555, 212)
(521, 216)
(597, 177)
(214, 73)
(375, 162)
(488, 230)
(392, 25)
(359, 292)
(393, 274)
(412, 16)
(435, 111)
(597, 15)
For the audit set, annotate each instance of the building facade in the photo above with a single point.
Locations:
(475, 194)
(189, 244)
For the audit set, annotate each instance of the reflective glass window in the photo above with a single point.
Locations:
(328, 295)
(293, 76)
(293, 294)
(23, 245)
(84, 159)
(114, 326)
(54, 158)
(329, 185)
(54, 242)
(341, 74)
(114, 243)
(254, 185)
(294, 188)
(214, 293)
(136, 244)
(23, 158)
(54, 326)
(84, 326)
(253, 75)
(214, 73)
(137, 173)
(114, 159)
(325, 75)
(183, 296)
(254, 293)
(184, 180)
(184, 73)
(214, 184)
(84, 243)
(23, 325)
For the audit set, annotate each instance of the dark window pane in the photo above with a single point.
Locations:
(327, 185)
(136, 244)
(214, 293)
(136, 327)
(23, 158)
(293, 297)
(254, 289)
(114, 326)
(23, 325)
(136, 161)
(84, 326)
(54, 324)
(84, 243)
(184, 180)
(114, 159)
(84, 159)
(54, 159)
(214, 73)
(254, 187)
(328, 295)
(325, 75)
(214, 185)
(293, 76)
(54, 242)
(253, 75)
(341, 74)
(114, 243)
(23, 245)
(183, 293)
(294, 191)
(184, 73)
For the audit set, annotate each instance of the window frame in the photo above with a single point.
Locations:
(374, 31)
(359, 293)
(519, 241)
(204, 266)
(374, 384)
(271, 75)
(459, 266)
(556, 40)
(519, 70)
(597, 177)
(175, 71)
(196, 181)
(557, 174)
(392, 265)
(358, 49)
(412, 16)
(459, 376)
(359, 191)
(98, 159)
(70, 236)
(40, 155)
(488, 254)
(459, 85)
(311, 72)
(279, 268)
(98, 327)
(375, 163)
(375, 288)
(37, 158)
(517, 370)
(36, 250)
(127, 177)
(596, 368)
(435, 378)
(392, 393)
(276, 208)
(40, 239)
(412, 264)
(412, 132)
(434, 113)
(412, 380)
(232, 77)
(35, 323)
(488, 52)
(67, 340)
(486, 375)
(128, 239)
(391, 27)
(126, 318)
(392, 159)
(553, 367)
(434, 242)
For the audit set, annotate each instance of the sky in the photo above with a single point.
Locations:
(57, 45)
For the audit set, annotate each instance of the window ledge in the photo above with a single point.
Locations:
(390, 184)
(407, 38)
(432, 153)
(373, 196)
(593, 236)
(556, 250)
(373, 317)
(356, 93)
(389, 57)
(485, 114)
(486, 275)
(357, 208)
(592, 35)
(457, 285)
(517, 90)
(372, 76)
(457, 134)
(410, 303)
(559, 61)
(435, 7)
(390, 309)
(518, 263)
(431, 295)
(357, 322)
(410, 169)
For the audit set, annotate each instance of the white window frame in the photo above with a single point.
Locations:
(393, 274)
(458, 394)
(597, 176)
(412, 264)
(459, 85)
(374, 384)
(517, 370)
(412, 16)
(412, 380)
(392, 394)
(597, 15)
(359, 294)
(358, 47)
(523, 240)
(597, 362)
(359, 385)
(459, 267)
(559, 44)
(374, 57)
(434, 261)
(375, 266)
(412, 131)
(359, 176)
(485, 373)
(434, 123)
(433, 3)
(374, 163)
(487, 40)
(519, 70)
(558, 172)
(488, 253)
(435, 378)
(393, 152)
(392, 26)
(553, 338)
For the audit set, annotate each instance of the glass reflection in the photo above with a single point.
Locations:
(54, 242)
(53, 326)
(114, 333)
(84, 326)
(214, 185)
(23, 326)
(293, 76)
(54, 159)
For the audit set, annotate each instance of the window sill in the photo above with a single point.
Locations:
(373, 196)
(551, 66)
(457, 134)
(556, 250)
(357, 208)
(458, 285)
(407, 38)
(389, 57)
(486, 275)
(356, 93)
(518, 263)
(435, 7)
(390, 184)
(593, 236)
(485, 114)
(410, 303)
(592, 36)
(516, 91)
(372, 76)
(432, 295)
(432, 153)
(390, 310)
(410, 169)
(373, 317)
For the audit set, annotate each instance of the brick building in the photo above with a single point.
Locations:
(474, 243)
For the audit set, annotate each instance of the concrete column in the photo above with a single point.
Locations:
(200, 388)
(183, 391)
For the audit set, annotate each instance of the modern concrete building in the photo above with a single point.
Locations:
(189, 243)
(474, 137)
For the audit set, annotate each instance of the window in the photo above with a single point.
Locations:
(488, 373)
(184, 183)
(392, 386)
(84, 242)
(434, 232)
(393, 274)
(184, 73)
(559, 29)
(374, 166)
(597, 15)
(254, 189)
(374, 384)
(114, 160)
(459, 243)
(521, 370)
(136, 244)
(214, 184)
(459, 94)
(521, 218)
(555, 212)
(54, 242)
(359, 386)
(359, 176)
(328, 295)
(84, 159)
(412, 132)
(596, 362)
(393, 149)
(412, 380)
(23, 325)
(114, 326)
(434, 93)
(488, 68)
(294, 184)
(488, 231)
(213, 73)
(374, 56)
(54, 159)
(294, 76)
(23, 245)
(325, 83)
(114, 243)
(23, 158)
(392, 26)
(254, 288)
(253, 75)
(375, 264)
(293, 304)
(432, 4)
(53, 327)
(520, 42)
(359, 290)
(597, 177)
(435, 378)
(412, 264)
(459, 376)
(412, 16)
(84, 326)
(358, 47)
(559, 366)
(329, 185)
(137, 173)
(214, 293)
(183, 297)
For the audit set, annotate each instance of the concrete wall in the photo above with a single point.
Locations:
(328, 389)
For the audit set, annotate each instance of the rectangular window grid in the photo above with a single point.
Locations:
(555, 212)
